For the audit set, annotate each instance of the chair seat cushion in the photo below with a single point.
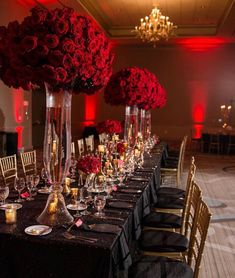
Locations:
(169, 203)
(171, 191)
(159, 267)
(162, 220)
(163, 241)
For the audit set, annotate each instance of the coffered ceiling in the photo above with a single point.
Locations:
(193, 17)
(210, 18)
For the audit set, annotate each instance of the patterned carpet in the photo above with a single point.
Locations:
(216, 176)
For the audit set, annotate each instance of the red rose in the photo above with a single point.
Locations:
(38, 15)
(56, 58)
(51, 41)
(61, 27)
(29, 43)
(42, 50)
(68, 46)
(61, 74)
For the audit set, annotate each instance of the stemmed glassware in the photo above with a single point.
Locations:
(87, 198)
(19, 185)
(99, 204)
(80, 198)
(44, 176)
(30, 186)
(108, 190)
(4, 192)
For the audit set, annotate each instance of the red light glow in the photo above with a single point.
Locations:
(198, 112)
(19, 130)
(202, 44)
(18, 100)
(31, 3)
(90, 109)
(197, 131)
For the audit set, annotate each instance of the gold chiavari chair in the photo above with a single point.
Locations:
(8, 165)
(81, 148)
(102, 138)
(29, 162)
(172, 244)
(175, 204)
(172, 222)
(198, 238)
(90, 143)
(160, 266)
(175, 172)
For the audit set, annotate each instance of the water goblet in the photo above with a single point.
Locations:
(44, 176)
(99, 204)
(108, 190)
(35, 180)
(30, 186)
(87, 199)
(19, 185)
(4, 192)
(80, 198)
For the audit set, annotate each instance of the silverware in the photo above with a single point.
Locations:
(109, 217)
(68, 235)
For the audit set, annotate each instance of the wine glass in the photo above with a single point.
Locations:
(4, 192)
(87, 199)
(30, 186)
(99, 204)
(44, 176)
(108, 190)
(80, 198)
(19, 185)
(35, 180)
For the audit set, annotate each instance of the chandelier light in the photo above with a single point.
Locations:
(155, 27)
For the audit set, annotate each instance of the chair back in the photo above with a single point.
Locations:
(198, 237)
(183, 154)
(29, 162)
(90, 143)
(191, 208)
(8, 167)
(102, 138)
(72, 149)
(180, 161)
(81, 148)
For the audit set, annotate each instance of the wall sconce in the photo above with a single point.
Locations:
(225, 114)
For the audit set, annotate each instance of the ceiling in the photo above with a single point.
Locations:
(194, 18)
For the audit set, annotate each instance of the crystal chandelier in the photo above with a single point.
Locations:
(155, 27)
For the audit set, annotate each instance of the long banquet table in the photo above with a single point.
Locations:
(53, 255)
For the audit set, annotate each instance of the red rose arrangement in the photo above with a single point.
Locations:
(161, 101)
(109, 127)
(60, 47)
(121, 148)
(89, 164)
(133, 86)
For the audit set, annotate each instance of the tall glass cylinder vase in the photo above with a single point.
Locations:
(57, 154)
(131, 125)
(142, 123)
(148, 124)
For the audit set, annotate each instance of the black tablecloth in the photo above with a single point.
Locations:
(53, 255)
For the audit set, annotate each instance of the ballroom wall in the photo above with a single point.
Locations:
(197, 83)
(12, 109)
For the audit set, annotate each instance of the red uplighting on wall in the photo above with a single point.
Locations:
(198, 94)
(198, 112)
(197, 131)
(19, 130)
(31, 3)
(18, 103)
(202, 44)
(90, 109)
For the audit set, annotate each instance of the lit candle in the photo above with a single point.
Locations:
(101, 148)
(72, 148)
(67, 181)
(10, 214)
(53, 206)
(54, 147)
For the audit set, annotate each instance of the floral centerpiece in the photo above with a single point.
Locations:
(109, 127)
(89, 164)
(60, 47)
(65, 52)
